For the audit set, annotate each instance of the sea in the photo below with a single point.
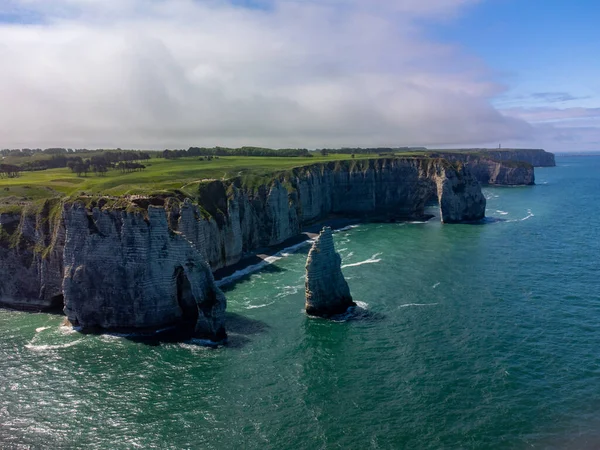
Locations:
(465, 336)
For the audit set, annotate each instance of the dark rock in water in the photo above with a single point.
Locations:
(327, 292)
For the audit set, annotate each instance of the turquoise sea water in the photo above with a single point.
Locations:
(473, 336)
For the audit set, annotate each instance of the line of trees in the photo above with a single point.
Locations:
(10, 171)
(369, 150)
(242, 151)
(128, 167)
(99, 163)
(126, 162)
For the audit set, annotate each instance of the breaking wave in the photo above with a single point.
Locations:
(41, 348)
(372, 260)
(271, 259)
(418, 304)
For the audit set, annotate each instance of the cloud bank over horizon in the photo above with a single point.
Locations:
(278, 73)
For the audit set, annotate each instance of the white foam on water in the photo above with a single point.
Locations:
(372, 260)
(436, 285)
(417, 304)
(197, 344)
(40, 348)
(259, 306)
(276, 257)
(350, 255)
(37, 330)
(502, 213)
(351, 312)
(289, 290)
(527, 217)
(417, 221)
(65, 329)
(349, 227)
(111, 337)
(265, 262)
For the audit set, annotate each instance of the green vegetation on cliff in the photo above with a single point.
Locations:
(178, 176)
(160, 176)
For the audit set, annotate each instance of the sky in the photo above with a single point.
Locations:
(157, 74)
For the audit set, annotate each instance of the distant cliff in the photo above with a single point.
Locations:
(535, 157)
(494, 172)
(145, 262)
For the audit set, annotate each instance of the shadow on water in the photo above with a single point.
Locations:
(487, 220)
(353, 314)
(241, 328)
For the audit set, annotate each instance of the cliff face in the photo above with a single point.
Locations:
(327, 291)
(31, 259)
(535, 157)
(495, 172)
(150, 268)
(122, 270)
(243, 219)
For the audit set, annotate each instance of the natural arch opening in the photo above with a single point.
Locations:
(56, 305)
(185, 299)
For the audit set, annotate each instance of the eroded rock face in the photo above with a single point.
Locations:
(123, 270)
(494, 172)
(31, 280)
(393, 188)
(535, 157)
(327, 292)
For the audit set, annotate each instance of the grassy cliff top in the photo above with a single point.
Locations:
(162, 176)
(159, 176)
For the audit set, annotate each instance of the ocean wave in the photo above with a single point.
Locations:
(258, 306)
(197, 344)
(40, 348)
(276, 257)
(502, 213)
(349, 227)
(417, 304)
(436, 285)
(37, 330)
(265, 262)
(527, 217)
(289, 290)
(373, 259)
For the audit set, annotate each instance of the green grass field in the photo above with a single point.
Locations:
(160, 175)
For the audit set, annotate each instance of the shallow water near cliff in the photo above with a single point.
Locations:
(470, 336)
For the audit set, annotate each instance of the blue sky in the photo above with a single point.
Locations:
(307, 73)
(536, 46)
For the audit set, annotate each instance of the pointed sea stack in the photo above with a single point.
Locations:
(327, 292)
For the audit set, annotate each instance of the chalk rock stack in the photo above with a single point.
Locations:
(327, 292)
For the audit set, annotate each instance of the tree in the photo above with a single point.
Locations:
(9, 170)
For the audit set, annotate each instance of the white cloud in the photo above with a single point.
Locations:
(155, 74)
